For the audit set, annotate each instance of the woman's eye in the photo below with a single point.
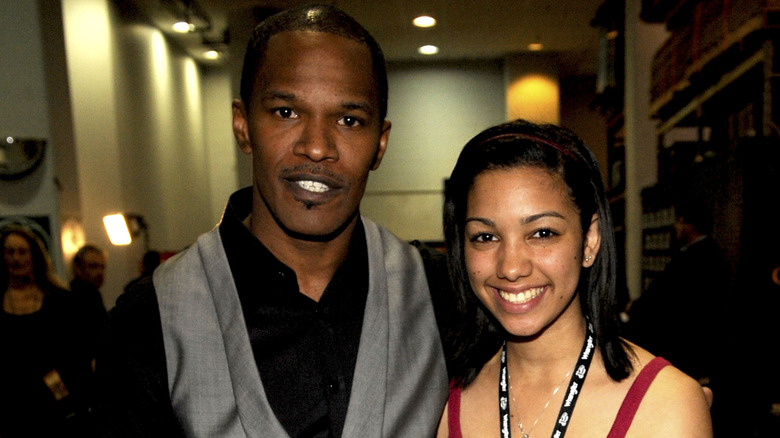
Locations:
(544, 233)
(349, 121)
(285, 113)
(482, 237)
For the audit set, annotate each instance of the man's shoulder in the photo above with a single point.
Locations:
(134, 327)
(137, 305)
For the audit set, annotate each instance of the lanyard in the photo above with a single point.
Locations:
(569, 400)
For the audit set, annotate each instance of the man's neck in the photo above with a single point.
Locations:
(314, 262)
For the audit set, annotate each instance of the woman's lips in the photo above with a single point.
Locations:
(520, 297)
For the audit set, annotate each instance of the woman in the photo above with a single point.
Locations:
(45, 371)
(532, 258)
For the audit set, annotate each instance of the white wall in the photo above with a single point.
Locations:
(141, 134)
(222, 152)
(23, 104)
(435, 110)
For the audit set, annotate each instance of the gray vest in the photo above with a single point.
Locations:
(400, 383)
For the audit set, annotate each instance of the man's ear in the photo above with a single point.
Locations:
(383, 137)
(241, 127)
(592, 242)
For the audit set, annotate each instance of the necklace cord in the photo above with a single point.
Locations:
(569, 400)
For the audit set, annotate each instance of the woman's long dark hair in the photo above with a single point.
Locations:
(478, 336)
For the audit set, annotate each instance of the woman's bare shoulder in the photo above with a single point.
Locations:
(674, 406)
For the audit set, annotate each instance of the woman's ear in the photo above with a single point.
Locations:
(592, 242)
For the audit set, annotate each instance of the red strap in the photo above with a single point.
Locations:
(453, 413)
(634, 397)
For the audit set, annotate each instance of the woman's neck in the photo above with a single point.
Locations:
(22, 297)
(20, 282)
(551, 352)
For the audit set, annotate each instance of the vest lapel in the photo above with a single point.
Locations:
(255, 412)
(367, 400)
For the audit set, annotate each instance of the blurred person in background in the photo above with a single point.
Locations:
(45, 373)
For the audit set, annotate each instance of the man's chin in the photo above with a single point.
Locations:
(315, 230)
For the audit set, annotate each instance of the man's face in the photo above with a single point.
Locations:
(314, 129)
(93, 269)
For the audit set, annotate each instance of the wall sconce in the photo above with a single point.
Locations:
(123, 227)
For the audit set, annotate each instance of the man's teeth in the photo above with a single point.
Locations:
(313, 186)
(522, 297)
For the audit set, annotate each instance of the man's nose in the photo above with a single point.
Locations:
(317, 141)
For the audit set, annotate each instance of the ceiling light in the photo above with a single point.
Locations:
(428, 50)
(424, 21)
(183, 27)
(211, 54)
(535, 47)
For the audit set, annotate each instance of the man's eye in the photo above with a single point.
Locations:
(349, 121)
(285, 113)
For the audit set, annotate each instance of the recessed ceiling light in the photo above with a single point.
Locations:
(424, 21)
(183, 27)
(428, 50)
(535, 47)
(211, 54)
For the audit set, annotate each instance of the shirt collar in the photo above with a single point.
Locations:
(250, 260)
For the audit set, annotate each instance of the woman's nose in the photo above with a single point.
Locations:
(513, 262)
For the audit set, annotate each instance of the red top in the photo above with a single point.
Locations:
(624, 417)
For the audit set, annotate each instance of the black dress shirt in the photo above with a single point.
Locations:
(305, 350)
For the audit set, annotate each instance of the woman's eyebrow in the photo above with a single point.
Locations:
(480, 219)
(541, 215)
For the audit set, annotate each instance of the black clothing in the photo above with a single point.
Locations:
(89, 296)
(290, 335)
(678, 316)
(89, 303)
(305, 350)
(49, 342)
(133, 401)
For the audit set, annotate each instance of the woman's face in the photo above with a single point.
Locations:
(17, 256)
(524, 247)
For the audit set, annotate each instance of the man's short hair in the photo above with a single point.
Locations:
(315, 18)
(78, 258)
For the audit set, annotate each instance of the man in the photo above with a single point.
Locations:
(296, 316)
(679, 316)
(149, 262)
(89, 267)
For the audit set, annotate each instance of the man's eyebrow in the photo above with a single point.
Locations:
(277, 95)
(364, 106)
